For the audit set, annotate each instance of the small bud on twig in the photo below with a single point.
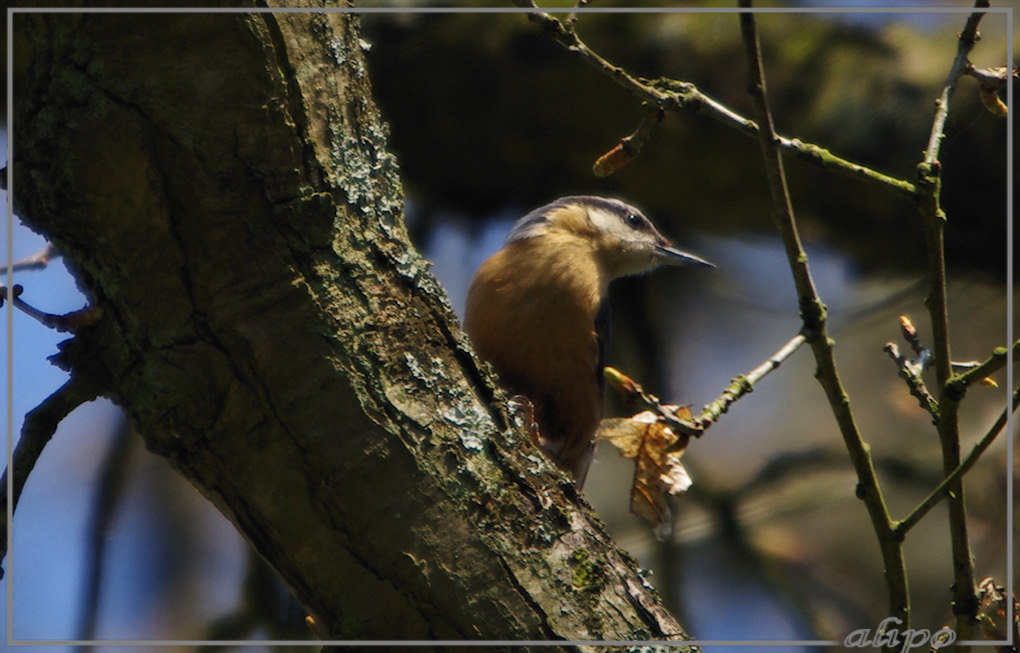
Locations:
(911, 370)
(991, 80)
(629, 147)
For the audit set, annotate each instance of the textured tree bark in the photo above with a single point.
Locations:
(220, 186)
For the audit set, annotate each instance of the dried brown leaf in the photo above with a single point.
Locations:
(647, 439)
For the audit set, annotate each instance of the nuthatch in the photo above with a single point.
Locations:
(537, 311)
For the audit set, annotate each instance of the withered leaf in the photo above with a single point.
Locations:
(656, 451)
(992, 611)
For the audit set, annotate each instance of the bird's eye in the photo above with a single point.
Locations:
(635, 221)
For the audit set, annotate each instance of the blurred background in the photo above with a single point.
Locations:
(489, 118)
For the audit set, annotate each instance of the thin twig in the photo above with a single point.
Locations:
(968, 38)
(745, 383)
(911, 373)
(814, 315)
(929, 188)
(943, 488)
(40, 424)
(69, 322)
(957, 385)
(990, 80)
(991, 77)
(572, 16)
(633, 392)
(673, 95)
(696, 426)
(37, 261)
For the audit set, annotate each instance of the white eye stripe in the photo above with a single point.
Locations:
(620, 223)
(604, 220)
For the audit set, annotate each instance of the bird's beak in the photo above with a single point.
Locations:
(669, 255)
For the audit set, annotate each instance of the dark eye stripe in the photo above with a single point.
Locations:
(638, 222)
(629, 215)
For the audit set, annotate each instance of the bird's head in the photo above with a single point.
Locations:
(619, 236)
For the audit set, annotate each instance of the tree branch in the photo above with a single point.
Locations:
(696, 426)
(814, 315)
(911, 373)
(67, 323)
(37, 261)
(967, 40)
(40, 424)
(957, 385)
(943, 488)
(745, 383)
(673, 95)
(929, 187)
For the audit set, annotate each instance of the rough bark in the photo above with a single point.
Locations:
(220, 186)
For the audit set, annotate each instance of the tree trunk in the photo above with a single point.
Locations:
(220, 187)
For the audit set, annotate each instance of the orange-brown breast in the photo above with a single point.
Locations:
(531, 313)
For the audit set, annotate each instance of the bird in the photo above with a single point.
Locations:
(537, 310)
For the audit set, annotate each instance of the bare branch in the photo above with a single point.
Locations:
(911, 373)
(633, 392)
(957, 385)
(968, 38)
(991, 77)
(673, 95)
(813, 313)
(929, 189)
(944, 488)
(744, 384)
(911, 370)
(990, 80)
(37, 261)
(69, 322)
(572, 16)
(741, 385)
(40, 424)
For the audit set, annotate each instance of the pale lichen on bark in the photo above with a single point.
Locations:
(272, 332)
